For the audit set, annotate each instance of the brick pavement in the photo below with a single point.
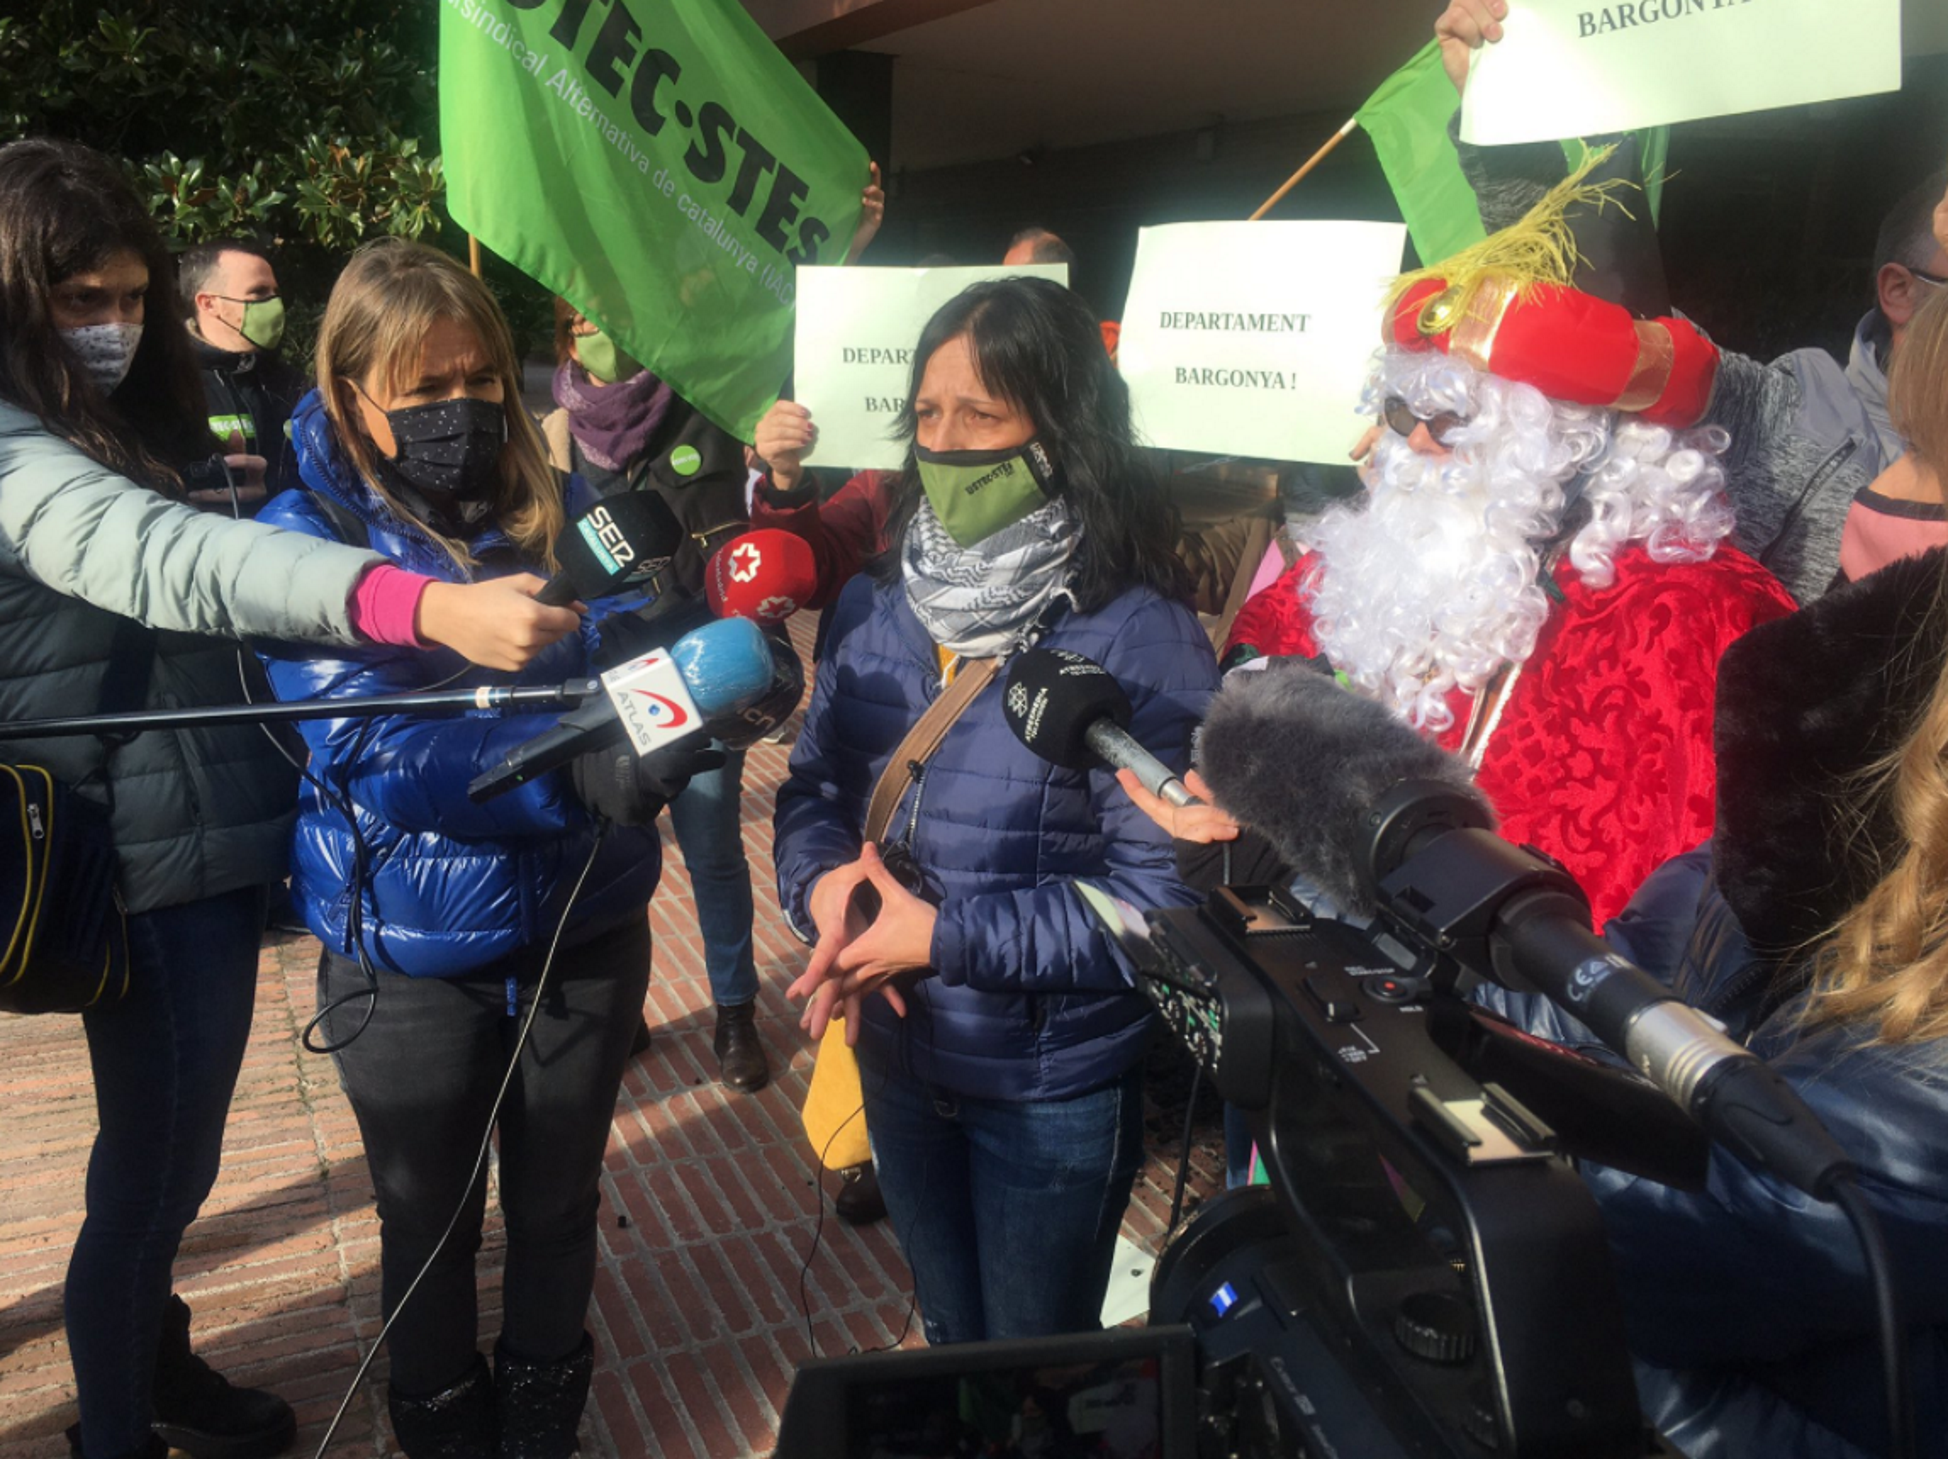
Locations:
(709, 1208)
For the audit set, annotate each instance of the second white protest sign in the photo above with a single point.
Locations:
(1573, 68)
(1252, 339)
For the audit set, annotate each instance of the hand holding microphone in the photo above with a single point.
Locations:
(1071, 711)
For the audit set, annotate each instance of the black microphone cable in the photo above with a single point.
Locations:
(1183, 1152)
(486, 1141)
(1889, 1311)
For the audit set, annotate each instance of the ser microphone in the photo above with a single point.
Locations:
(1382, 820)
(1070, 710)
(765, 576)
(701, 681)
(615, 545)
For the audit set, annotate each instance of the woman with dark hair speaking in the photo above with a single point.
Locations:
(1002, 1069)
(100, 414)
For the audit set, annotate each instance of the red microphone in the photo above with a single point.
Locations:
(763, 576)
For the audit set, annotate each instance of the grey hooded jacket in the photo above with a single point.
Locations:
(196, 813)
(1803, 440)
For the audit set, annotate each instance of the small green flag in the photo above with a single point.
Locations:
(661, 166)
(1407, 118)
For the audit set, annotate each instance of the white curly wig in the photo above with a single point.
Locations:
(1431, 583)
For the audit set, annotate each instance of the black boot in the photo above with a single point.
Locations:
(455, 1423)
(740, 1056)
(199, 1411)
(541, 1403)
(859, 1202)
(639, 1044)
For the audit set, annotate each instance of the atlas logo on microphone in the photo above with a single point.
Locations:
(651, 700)
(745, 560)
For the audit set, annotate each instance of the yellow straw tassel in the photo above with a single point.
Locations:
(1540, 249)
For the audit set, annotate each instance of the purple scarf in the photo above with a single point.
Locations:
(611, 423)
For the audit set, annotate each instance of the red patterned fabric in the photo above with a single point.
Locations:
(1603, 754)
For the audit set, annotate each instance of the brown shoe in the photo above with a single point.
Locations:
(741, 1063)
(859, 1202)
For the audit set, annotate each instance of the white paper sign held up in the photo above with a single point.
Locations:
(1578, 68)
(1252, 339)
(853, 361)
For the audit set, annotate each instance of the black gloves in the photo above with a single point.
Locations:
(628, 789)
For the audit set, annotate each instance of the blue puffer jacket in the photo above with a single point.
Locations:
(1747, 1303)
(453, 885)
(1031, 1002)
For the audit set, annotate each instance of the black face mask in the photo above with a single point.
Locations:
(450, 449)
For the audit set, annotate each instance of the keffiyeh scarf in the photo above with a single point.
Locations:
(986, 599)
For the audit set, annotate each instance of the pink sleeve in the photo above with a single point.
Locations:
(385, 606)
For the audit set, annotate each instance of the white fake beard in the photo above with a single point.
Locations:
(1431, 584)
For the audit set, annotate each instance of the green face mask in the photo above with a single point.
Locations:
(263, 321)
(977, 493)
(603, 361)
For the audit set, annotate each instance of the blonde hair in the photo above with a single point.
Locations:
(1885, 963)
(1917, 384)
(386, 300)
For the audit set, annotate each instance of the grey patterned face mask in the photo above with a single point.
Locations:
(104, 351)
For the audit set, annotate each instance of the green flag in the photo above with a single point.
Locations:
(1407, 118)
(659, 165)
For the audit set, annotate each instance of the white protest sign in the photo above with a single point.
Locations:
(857, 329)
(1576, 68)
(1252, 339)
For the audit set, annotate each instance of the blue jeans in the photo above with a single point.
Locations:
(706, 821)
(165, 1062)
(1007, 1212)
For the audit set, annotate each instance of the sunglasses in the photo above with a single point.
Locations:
(1401, 420)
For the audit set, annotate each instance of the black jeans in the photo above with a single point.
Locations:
(421, 1079)
(165, 1061)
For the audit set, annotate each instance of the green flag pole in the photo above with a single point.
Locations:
(1311, 162)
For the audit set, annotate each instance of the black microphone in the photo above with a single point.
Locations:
(1071, 711)
(1382, 820)
(614, 545)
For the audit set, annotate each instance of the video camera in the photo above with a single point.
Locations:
(1424, 1274)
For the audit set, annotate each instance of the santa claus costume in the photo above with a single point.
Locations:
(1537, 576)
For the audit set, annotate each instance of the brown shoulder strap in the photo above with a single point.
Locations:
(923, 739)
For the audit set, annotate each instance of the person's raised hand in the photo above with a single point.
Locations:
(496, 623)
(1200, 823)
(1462, 29)
(784, 436)
(872, 212)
